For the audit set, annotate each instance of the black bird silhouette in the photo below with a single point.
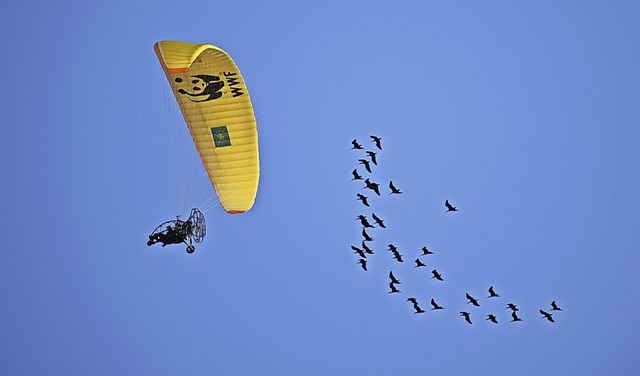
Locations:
(397, 255)
(366, 236)
(492, 293)
(366, 164)
(547, 315)
(412, 300)
(393, 288)
(377, 140)
(393, 278)
(355, 144)
(492, 318)
(419, 263)
(466, 315)
(372, 155)
(363, 221)
(366, 249)
(363, 263)
(554, 306)
(449, 206)
(436, 275)
(392, 247)
(362, 198)
(515, 317)
(394, 190)
(472, 300)
(417, 308)
(373, 186)
(359, 251)
(512, 307)
(356, 175)
(435, 305)
(425, 251)
(379, 221)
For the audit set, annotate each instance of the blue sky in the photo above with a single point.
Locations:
(524, 114)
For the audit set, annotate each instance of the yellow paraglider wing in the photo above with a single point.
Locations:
(215, 103)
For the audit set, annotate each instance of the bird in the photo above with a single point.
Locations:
(355, 144)
(466, 315)
(372, 155)
(492, 293)
(363, 263)
(547, 315)
(373, 186)
(412, 300)
(419, 263)
(356, 175)
(449, 206)
(377, 140)
(393, 278)
(436, 275)
(554, 306)
(362, 198)
(394, 190)
(366, 236)
(363, 221)
(366, 249)
(379, 221)
(366, 164)
(393, 288)
(515, 317)
(397, 255)
(425, 251)
(359, 251)
(512, 307)
(472, 300)
(417, 308)
(392, 247)
(492, 318)
(435, 305)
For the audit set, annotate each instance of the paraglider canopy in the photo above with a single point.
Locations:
(215, 103)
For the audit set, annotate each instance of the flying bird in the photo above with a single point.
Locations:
(547, 315)
(419, 263)
(436, 275)
(554, 306)
(366, 164)
(366, 249)
(397, 255)
(377, 140)
(512, 307)
(355, 144)
(449, 206)
(362, 198)
(363, 221)
(359, 251)
(363, 263)
(393, 288)
(393, 278)
(425, 251)
(394, 190)
(435, 305)
(466, 315)
(372, 156)
(417, 308)
(392, 247)
(515, 317)
(492, 293)
(379, 221)
(472, 300)
(373, 186)
(366, 236)
(356, 175)
(412, 300)
(492, 318)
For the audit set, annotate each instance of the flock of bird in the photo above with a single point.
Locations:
(369, 161)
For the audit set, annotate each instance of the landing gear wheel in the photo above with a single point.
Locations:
(191, 249)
